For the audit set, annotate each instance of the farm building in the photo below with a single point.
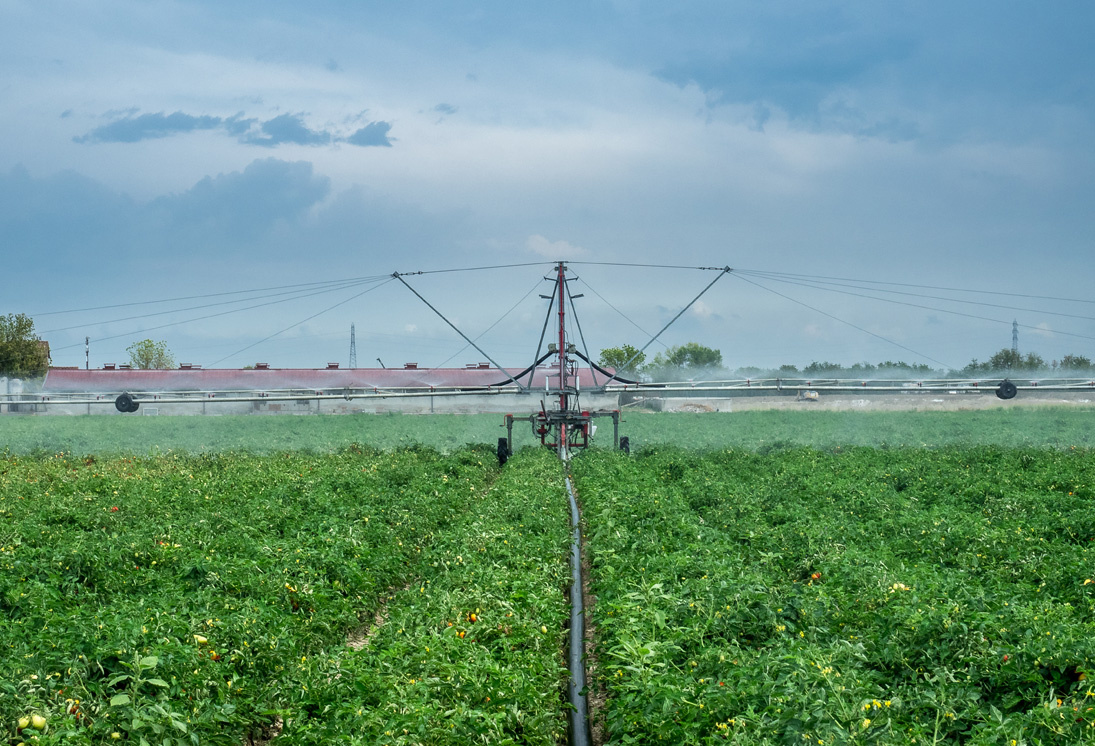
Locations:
(191, 389)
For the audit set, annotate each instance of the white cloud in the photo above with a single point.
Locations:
(537, 244)
(702, 310)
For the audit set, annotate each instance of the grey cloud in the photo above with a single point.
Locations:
(149, 127)
(237, 125)
(67, 217)
(372, 134)
(241, 206)
(445, 109)
(287, 128)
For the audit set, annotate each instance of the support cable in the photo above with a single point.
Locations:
(848, 323)
(725, 271)
(645, 266)
(309, 318)
(581, 335)
(398, 276)
(821, 285)
(496, 323)
(543, 332)
(915, 305)
(472, 269)
(294, 293)
(374, 278)
(924, 287)
(621, 313)
(207, 316)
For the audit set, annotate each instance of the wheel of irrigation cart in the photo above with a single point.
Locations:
(625, 444)
(503, 451)
(1007, 390)
(126, 403)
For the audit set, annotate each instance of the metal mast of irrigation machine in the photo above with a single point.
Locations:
(565, 425)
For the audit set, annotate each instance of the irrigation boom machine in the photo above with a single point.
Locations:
(561, 374)
(566, 425)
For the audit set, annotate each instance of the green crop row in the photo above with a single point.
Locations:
(766, 430)
(852, 596)
(265, 434)
(210, 599)
(471, 651)
(1057, 427)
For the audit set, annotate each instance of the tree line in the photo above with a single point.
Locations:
(24, 355)
(693, 359)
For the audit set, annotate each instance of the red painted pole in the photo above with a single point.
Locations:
(563, 404)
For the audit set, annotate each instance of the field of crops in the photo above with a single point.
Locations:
(407, 597)
(237, 580)
(845, 596)
(1059, 427)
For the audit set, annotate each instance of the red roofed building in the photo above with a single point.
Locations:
(223, 385)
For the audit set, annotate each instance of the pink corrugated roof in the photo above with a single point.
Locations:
(61, 380)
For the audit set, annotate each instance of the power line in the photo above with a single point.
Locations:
(923, 287)
(923, 307)
(820, 283)
(201, 318)
(842, 321)
(211, 295)
(298, 323)
(294, 293)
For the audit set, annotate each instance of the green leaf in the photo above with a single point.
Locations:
(149, 661)
(119, 699)
(157, 682)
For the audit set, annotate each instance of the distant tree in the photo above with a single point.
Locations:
(1075, 362)
(816, 368)
(1004, 361)
(901, 366)
(625, 359)
(862, 369)
(1033, 361)
(788, 370)
(149, 355)
(22, 354)
(690, 355)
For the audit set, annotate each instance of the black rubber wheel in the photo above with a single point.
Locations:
(625, 444)
(503, 451)
(1006, 390)
(125, 403)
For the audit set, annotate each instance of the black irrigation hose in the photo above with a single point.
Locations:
(579, 715)
(599, 369)
(513, 379)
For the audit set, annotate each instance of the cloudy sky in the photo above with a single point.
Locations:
(889, 181)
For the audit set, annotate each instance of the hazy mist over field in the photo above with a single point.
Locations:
(195, 150)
